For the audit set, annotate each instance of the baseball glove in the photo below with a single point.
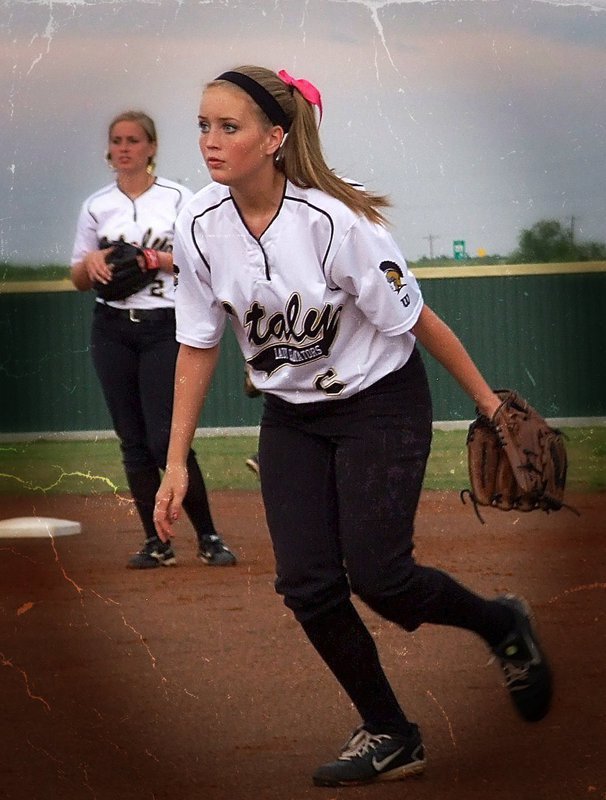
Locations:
(128, 276)
(250, 390)
(515, 460)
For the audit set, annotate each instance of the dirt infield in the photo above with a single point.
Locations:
(194, 682)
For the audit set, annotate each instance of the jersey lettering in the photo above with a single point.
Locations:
(161, 243)
(284, 326)
(157, 287)
(328, 383)
(316, 331)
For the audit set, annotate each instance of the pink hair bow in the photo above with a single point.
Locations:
(307, 89)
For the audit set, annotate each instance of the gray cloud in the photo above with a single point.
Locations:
(477, 117)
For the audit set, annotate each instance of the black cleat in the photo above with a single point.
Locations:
(154, 553)
(369, 757)
(214, 552)
(527, 674)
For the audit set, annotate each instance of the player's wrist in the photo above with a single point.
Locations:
(151, 258)
(488, 404)
(176, 464)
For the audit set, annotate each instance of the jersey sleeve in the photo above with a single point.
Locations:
(200, 317)
(86, 235)
(185, 196)
(369, 265)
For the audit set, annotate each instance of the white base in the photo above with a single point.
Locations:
(37, 527)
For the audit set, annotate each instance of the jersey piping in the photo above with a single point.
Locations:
(285, 197)
(199, 216)
(322, 307)
(148, 220)
(325, 214)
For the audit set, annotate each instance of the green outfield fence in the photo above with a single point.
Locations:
(538, 328)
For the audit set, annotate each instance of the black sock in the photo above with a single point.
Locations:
(195, 501)
(349, 651)
(433, 596)
(143, 485)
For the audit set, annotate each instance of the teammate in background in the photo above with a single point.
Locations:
(327, 316)
(252, 462)
(250, 390)
(133, 340)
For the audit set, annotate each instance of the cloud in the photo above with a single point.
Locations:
(478, 117)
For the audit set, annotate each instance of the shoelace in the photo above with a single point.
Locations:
(213, 544)
(360, 743)
(515, 675)
(147, 548)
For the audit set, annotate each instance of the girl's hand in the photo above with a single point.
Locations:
(169, 500)
(96, 267)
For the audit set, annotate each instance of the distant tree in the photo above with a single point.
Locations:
(593, 251)
(27, 272)
(449, 261)
(549, 241)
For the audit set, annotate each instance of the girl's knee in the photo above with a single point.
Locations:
(158, 449)
(136, 456)
(400, 608)
(309, 600)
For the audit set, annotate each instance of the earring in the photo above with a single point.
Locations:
(151, 166)
(108, 161)
(280, 151)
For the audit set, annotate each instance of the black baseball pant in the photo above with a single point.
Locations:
(135, 363)
(341, 481)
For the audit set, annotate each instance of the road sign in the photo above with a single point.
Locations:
(458, 248)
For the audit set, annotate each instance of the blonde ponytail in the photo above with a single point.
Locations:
(300, 157)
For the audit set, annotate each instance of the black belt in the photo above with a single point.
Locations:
(137, 314)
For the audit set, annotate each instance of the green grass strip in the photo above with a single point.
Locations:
(92, 467)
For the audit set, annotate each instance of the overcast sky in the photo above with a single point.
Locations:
(477, 117)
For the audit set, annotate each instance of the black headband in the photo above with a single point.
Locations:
(266, 101)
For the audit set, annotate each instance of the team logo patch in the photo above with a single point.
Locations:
(395, 278)
(393, 275)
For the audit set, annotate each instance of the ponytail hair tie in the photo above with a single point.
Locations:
(307, 89)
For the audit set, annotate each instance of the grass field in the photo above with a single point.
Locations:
(23, 272)
(53, 272)
(92, 467)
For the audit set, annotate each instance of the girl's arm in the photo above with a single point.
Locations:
(159, 259)
(440, 341)
(193, 374)
(93, 267)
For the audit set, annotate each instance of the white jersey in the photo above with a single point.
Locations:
(147, 221)
(321, 304)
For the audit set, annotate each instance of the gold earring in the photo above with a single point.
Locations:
(151, 166)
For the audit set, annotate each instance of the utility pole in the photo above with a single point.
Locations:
(430, 238)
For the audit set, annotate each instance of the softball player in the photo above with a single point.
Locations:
(327, 316)
(133, 340)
